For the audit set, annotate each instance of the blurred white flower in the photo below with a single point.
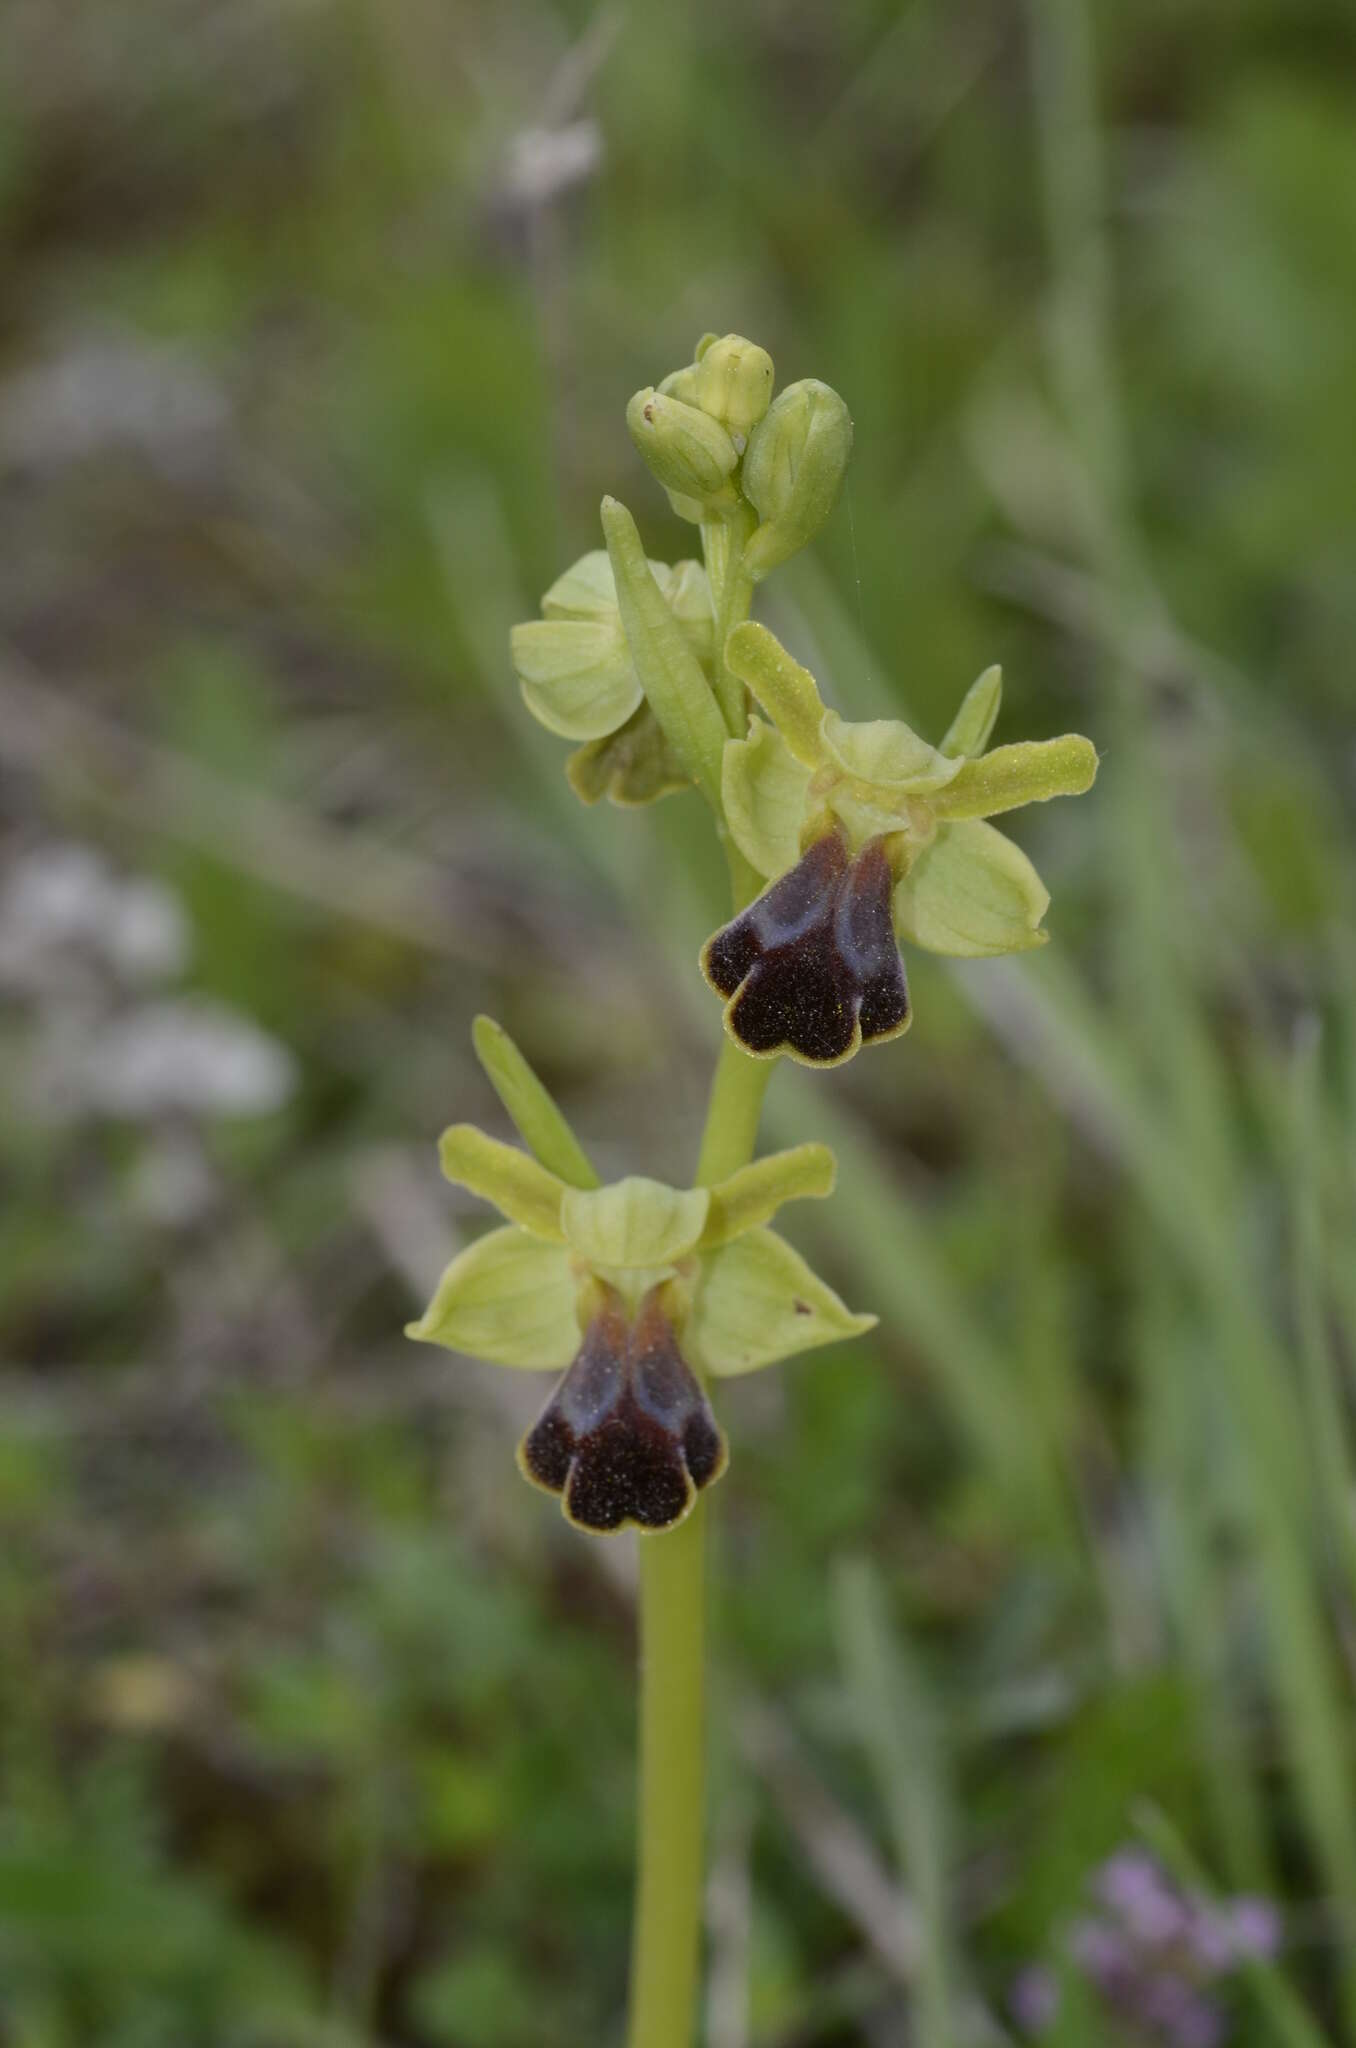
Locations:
(544, 162)
(190, 1057)
(107, 391)
(62, 909)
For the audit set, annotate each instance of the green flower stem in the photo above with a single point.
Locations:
(737, 1092)
(667, 1939)
(723, 542)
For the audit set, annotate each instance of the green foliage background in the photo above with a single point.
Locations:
(315, 1724)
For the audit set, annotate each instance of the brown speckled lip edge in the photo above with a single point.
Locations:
(634, 1465)
(813, 991)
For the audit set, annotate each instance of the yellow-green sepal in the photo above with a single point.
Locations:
(971, 893)
(968, 733)
(588, 590)
(1030, 772)
(576, 675)
(764, 789)
(755, 1193)
(758, 1301)
(507, 1298)
(519, 1187)
(633, 1223)
(585, 590)
(574, 664)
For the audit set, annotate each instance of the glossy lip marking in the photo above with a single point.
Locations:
(812, 966)
(628, 1435)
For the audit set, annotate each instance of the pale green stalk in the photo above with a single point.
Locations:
(723, 543)
(666, 1939)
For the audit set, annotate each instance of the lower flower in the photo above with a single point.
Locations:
(813, 967)
(628, 1435)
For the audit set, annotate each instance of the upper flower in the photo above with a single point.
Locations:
(872, 832)
(626, 656)
(715, 438)
(578, 677)
(637, 1288)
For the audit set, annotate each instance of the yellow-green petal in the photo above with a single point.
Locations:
(758, 1301)
(968, 733)
(971, 893)
(507, 1298)
(885, 753)
(633, 765)
(518, 1186)
(755, 1193)
(764, 789)
(688, 596)
(576, 675)
(1030, 772)
(634, 1222)
(787, 692)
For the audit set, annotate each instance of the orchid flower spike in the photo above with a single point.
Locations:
(867, 834)
(637, 1291)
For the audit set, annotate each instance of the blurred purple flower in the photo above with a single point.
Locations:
(1254, 1927)
(1132, 1885)
(1153, 1953)
(1034, 1998)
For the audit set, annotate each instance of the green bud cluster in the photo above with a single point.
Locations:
(718, 441)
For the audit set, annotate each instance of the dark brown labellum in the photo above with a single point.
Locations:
(628, 1435)
(812, 967)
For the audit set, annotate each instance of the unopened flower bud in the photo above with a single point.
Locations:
(687, 450)
(793, 470)
(733, 382)
(680, 384)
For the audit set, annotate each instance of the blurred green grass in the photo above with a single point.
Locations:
(315, 1725)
